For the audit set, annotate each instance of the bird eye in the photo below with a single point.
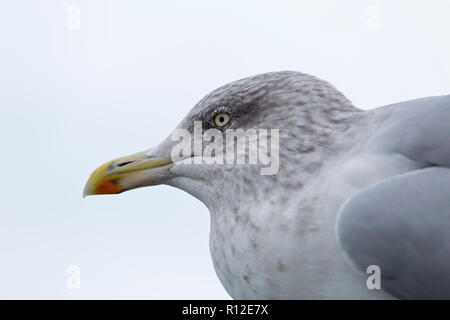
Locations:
(222, 119)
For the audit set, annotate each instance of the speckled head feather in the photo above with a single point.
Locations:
(308, 112)
(271, 100)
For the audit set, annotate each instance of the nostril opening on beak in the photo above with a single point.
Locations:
(124, 163)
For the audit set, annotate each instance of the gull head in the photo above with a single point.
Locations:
(245, 139)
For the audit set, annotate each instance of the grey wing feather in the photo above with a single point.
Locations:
(418, 129)
(403, 226)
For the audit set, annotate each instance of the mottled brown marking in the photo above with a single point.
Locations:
(255, 227)
(271, 283)
(281, 266)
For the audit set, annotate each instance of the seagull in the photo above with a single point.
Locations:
(360, 197)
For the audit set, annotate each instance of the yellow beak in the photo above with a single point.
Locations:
(122, 174)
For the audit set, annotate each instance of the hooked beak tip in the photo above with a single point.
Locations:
(126, 173)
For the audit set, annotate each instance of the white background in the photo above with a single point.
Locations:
(72, 98)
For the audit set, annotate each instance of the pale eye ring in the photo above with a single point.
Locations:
(221, 119)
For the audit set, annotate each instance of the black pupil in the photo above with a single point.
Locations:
(221, 119)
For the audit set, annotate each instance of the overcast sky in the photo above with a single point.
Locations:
(78, 90)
